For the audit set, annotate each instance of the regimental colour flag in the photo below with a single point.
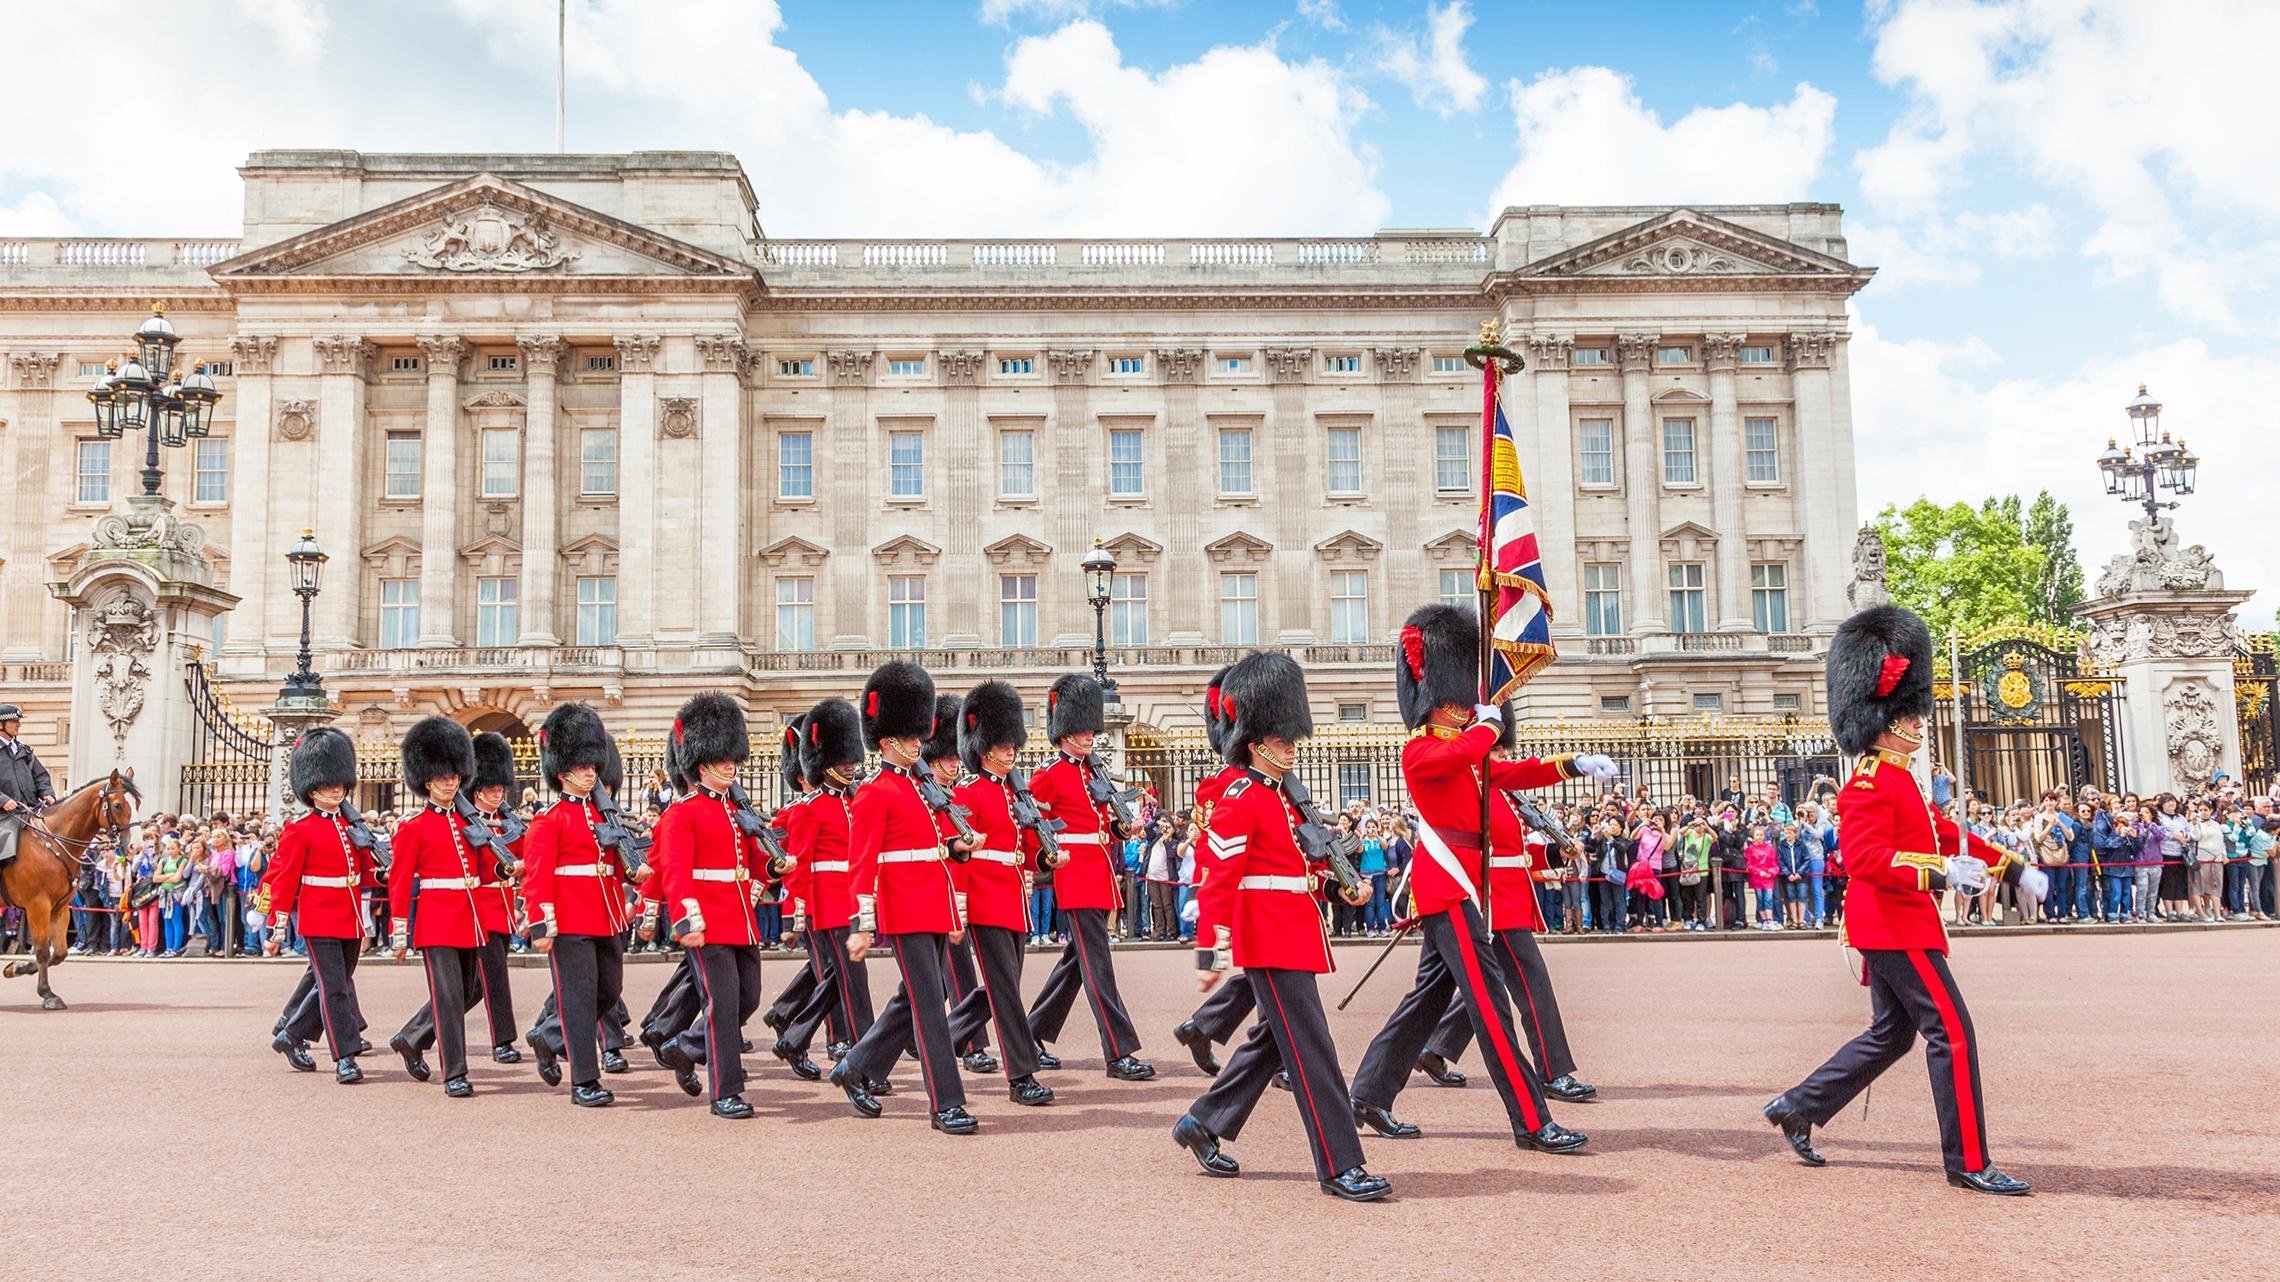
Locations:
(1511, 580)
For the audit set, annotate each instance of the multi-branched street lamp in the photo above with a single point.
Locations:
(1099, 566)
(308, 563)
(148, 393)
(2153, 463)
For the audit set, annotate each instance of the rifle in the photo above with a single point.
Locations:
(1543, 821)
(1105, 789)
(482, 836)
(770, 837)
(1319, 843)
(937, 799)
(611, 833)
(361, 836)
(1028, 814)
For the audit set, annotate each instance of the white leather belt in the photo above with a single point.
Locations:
(719, 874)
(1080, 838)
(1010, 858)
(828, 865)
(447, 883)
(582, 870)
(336, 883)
(1508, 861)
(1300, 885)
(930, 855)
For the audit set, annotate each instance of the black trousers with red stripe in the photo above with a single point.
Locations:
(728, 981)
(1085, 964)
(997, 1000)
(1521, 962)
(1910, 991)
(964, 984)
(794, 995)
(488, 983)
(335, 1012)
(1457, 963)
(452, 974)
(1292, 1033)
(841, 998)
(1221, 1015)
(917, 1019)
(589, 978)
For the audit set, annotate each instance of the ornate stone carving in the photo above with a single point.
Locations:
(498, 398)
(637, 353)
(2191, 733)
(122, 638)
(1867, 586)
(1550, 351)
(1397, 362)
(961, 369)
(1722, 353)
(253, 353)
(1811, 349)
(849, 367)
(541, 353)
(36, 370)
(296, 419)
(1636, 352)
(1289, 364)
(487, 238)
(721, 353)
(443, 352)
(2155, 562)
(1070, 366)
(2116, 638)
(1179, 364)
(149, 526)
(342, 353)
(1686, 258)
(678, 416)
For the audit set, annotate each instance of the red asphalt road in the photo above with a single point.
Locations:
(2131, 1078)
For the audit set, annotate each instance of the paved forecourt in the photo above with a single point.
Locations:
(2129, 1077)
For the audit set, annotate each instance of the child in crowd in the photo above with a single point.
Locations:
(1762, 865)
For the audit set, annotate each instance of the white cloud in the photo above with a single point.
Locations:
(1322, 13)
(1052, 11)
(2120, 104)
(36, 214)
(1434, 68)
(1949, 251)
(1943, 420)
(1586, 138)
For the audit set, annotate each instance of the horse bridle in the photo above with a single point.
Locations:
(107, 816)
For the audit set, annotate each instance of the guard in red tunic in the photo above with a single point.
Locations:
(1901, 853)
(575, 915)
(679, 1002)
(939, 755)
(1221, 1015)
(712, 872)
(903, 890)
(495, 835)
(996, 904)
(1070, 789)
(324, 865)
(796, 820)
(433, 862)
(1436, 681)
(1258, 911)
(831, 757)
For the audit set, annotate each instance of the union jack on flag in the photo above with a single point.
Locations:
(1511, 578)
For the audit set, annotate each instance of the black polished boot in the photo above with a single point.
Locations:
(1029, 1091)
(802, 1067)
(1565, 1087)
(980, 1062)
(1437, 1070)
(505, 1053)
(837, 1051)
(1795, 1129)
(955, 1120)
(457, 1088)
(1198, 1045)
(1282, 1079)
(613, 1062)
(549, 1068)
(858, 1092)
(1357, 1185)
(1125, 1068)
(294, 1052)
(1384, 1122)
(1989, 1180)
(655, 1040)
(1552, 1137)
(1197, 1139)
(684, 1068)
(413, 1064)
(733, 1108)
(1047, 1059)
(347, 1073)
(590, 1095)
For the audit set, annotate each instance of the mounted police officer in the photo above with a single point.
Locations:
(24, 782)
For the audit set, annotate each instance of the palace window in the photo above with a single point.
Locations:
(1614, 703)
(1591, 356)
(1674, 356)
(1235, 462)
(1128, 609)
(598, 460)
(496, 624)
(1350, 606)
(1345, 460)
(1344, 364)
(906, 366)
(1233, 364)
(1709, 702)
(505, 363)
(1127, 364)
(795, 613)
(403, 466)
(399, 613)
(502, 456)
(406, 364)
(1127, 477)
(94, 472)
(1017, 465)
(1688, 598)
(1598, 435)
(94, 369)
(1769, 596)
(1239, 608)
(1786, 703)
(1017, 365)
(1353, 712)
(1761, 444)
(1017, 610)
(1448, 364)
(601, 362)
(1452, 460)
(597, 611)
(1678, 451)
(1603, 599)
(795, 465)
(1459, 589)
(211, 471)
(906, 611)
(1757, 356)
(795, 367)
(906, 465)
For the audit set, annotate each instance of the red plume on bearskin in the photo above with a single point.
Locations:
(710, 728)
(1879, 669)
(1413, 650)
(1216, 713)
(1440, 662)
(788, 757)
(942, 739)
(834, 738)
(1265, 695)
(898, 703)
(1074, 705)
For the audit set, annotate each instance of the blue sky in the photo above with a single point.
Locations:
(2065, 197)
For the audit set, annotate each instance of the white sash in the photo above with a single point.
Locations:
(1447, 859)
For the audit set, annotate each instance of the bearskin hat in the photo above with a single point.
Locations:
(708, 728)
(788, 761)
(831, 734)
(572, 736)
(610, 777)
(898, 703)
(676, 770)
(323, 758)
(1214, 725)
(1264, 694)
(989, 718)
(1439, 662)
(435, 747)
(494, 764)
(942, 740)
(1880, 669)
(1073, 705)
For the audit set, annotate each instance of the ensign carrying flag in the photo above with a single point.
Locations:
(1516, 611)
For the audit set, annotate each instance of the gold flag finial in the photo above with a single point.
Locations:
(1490, 333)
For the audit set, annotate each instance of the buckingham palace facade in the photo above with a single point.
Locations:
(576, 427)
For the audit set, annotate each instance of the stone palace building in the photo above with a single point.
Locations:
(576, 427)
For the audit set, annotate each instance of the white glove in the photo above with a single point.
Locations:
(2034, 882)
(1595, 765)
(1192, 911)
(1966, 873)
(1489, 713)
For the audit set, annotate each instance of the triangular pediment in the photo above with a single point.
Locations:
(1133, 546)
(794, 550)
(1017, 549)
(906, 549)
(1239, 546)
(1685, 242)
(1466, 541)
(484, 226)
(1349, 543)
(490, 544)
(592, 543)
(1680, 396)
(1691, 530)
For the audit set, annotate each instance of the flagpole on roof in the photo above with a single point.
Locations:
(561, 84)
(1493, 359)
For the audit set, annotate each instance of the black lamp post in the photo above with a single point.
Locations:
(148, 394)
(2152, 463)
(308, 562)
(1099, 566)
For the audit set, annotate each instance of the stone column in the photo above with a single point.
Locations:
(1825, 498)
(1548, 358)
(31, 442)
(720, 601)
(1188, 592)
(2173, 649)
(1293, 592)
(439, 492)
(969, 491)
(342, 485)
(845, 453)
(254, 548)
(637, 481)
(1076, 498)
(1722, 353)
(1642, 484)
(542, 487)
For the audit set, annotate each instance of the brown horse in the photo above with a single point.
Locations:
(50, 850)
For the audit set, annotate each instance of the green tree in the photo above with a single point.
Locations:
(1961, 566)
(2058, 589)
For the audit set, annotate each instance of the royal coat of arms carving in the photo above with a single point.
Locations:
(488, 238)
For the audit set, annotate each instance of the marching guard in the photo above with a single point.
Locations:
(796, 820)
(939, 755)
(323, 867)
(996, 906)
(1222, 1013)
(434, 863)
(494, 907)
(903, 889)
(1087, 885)
(576, 917)
(1900, 853)
(1259, 912)
(831, 757)
(1444, 763)
(678, 1003)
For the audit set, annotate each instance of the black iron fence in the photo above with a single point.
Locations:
(230, 752)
